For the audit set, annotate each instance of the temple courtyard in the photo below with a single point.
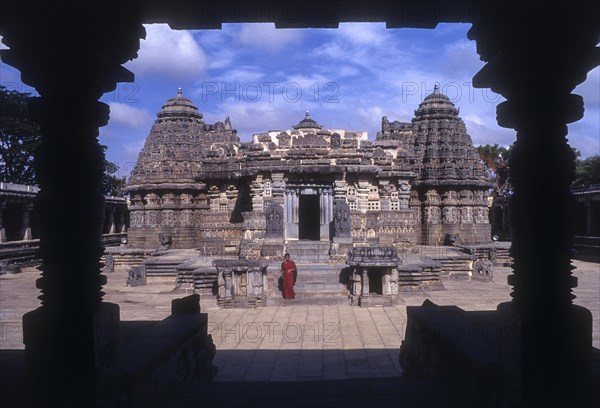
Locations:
(292, 342)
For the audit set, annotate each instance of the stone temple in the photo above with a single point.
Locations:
(308, 189)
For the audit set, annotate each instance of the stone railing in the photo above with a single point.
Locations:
(14, 254)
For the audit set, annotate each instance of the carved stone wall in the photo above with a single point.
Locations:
(418, 182)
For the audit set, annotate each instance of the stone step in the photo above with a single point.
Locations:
(317, 287)
(311, 268)
(308, 251)
(303, 301)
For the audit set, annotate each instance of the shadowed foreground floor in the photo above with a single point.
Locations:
(289, 355)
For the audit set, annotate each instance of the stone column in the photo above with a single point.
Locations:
(26, 222)
(546, 357)
(291, 214)
(111, 219)
(122, 225)
(589, 218)
(229, 285)
(326, 212)
(365, 282)
(71, 341)
(2, 230)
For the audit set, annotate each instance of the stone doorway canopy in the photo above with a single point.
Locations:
(308, 212)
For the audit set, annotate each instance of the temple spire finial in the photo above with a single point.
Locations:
(179, 92)
(436, 87)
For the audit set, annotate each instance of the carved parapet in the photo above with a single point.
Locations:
(373, 256)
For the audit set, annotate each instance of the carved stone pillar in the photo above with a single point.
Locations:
(365, 283)
(228, 283)
(26, 222)
(71, 341)
(2, 230)
(386, 283)
(589, 218)
(547, 355)
(122, 225)
(111, 219)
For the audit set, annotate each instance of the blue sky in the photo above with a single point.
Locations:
(265, 79)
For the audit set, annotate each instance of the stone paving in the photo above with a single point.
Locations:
(290, 342)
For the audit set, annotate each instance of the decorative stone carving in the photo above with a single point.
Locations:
(186, 218)
(450, 215)
(417, 170)
(274, 218)
(341, 219)
(466, 215)
(336, 141)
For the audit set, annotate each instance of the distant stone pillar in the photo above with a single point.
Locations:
(505, 218)
(111, 219)
(386, 282)
(26, 222)
(229, 285)
(2, 230)
(326, 213)
(365, 282)
(122, 226)
(589, 218)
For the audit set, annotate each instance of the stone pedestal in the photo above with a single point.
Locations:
(517, 345)
(79, 349)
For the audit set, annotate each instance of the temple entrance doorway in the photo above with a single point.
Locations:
(308, 217)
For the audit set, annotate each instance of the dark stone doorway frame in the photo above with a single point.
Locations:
(309, 210)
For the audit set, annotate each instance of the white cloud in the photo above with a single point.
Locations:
(240, 74)
(130, 152)
(265, 36)
(473, 118)
(372, 34)
(489, 133)
(170, 54)
(459, 58)
(128, 116)
(257, 117)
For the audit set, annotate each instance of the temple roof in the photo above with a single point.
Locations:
(179, 106)
(307, 123)
(436, 103)
(448, 155)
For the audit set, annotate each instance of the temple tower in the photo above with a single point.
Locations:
(451, 187)
(167, 200)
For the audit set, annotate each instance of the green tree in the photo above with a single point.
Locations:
(112, 184)
(587, 171)
(495, 158)
(19, 137)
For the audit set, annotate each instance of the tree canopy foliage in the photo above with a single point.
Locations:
(20, 136)
(495, 158)
(112, 184)
(587, 171)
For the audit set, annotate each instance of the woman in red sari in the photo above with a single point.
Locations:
(288, 272)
